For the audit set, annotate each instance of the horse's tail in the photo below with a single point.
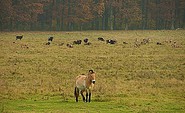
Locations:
(76, 93)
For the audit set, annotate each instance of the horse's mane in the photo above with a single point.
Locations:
(91, 71)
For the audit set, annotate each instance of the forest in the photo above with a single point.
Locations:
(74, 15)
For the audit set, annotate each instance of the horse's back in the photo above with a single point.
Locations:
(80, 77)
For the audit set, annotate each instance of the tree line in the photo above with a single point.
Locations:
(69, 15)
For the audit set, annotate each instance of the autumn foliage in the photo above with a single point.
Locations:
(60, 15)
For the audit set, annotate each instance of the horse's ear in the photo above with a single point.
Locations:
(91, 71)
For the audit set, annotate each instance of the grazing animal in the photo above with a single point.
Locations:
(111, 41)
(19, 37)
(77, 42)
(86, 40)
(84, 83)
(48, 43)
(61, 44)
(145, 41)
(101, 39)
(159, 43)
(24, 46)
(174, 44)
(125, 43)
(168, 41)
(69, 45)
(88, 43)
(137, 43)
(50, 39)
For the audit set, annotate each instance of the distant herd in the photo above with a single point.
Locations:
(75, 42)
(137, 42)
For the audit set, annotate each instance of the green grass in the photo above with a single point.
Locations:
(40, 78)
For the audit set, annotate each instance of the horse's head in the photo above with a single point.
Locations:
(91, 76)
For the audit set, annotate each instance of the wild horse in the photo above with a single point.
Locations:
(85, 83)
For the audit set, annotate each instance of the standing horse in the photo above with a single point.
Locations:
(84, 84)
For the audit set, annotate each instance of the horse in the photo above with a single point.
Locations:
(85, 83)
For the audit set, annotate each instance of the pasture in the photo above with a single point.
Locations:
(35, 77)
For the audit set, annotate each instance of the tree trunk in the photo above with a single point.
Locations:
(81, 27)
(1, 26)
(62, 18)
(58, 24)
(126, 24)
(105, 20)
(144, 4)
(177, 14)
(111, 17)
(69, 24)
(143, 13)
(17, 25)
(173, 13)
(58, 20)
(183, 25)
(158, 16)
(114, 23)
(97, 24)
(172, 25)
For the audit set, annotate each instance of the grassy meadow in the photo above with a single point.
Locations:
(39, 78)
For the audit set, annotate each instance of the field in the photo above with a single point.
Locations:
(39, 78)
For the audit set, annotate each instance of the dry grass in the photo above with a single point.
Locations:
(151, 75)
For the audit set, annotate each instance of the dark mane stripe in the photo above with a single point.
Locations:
(91, 71)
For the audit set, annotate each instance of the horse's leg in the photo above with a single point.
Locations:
(82, 96)
(76, 92)
(86, 96)
(89, 96)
